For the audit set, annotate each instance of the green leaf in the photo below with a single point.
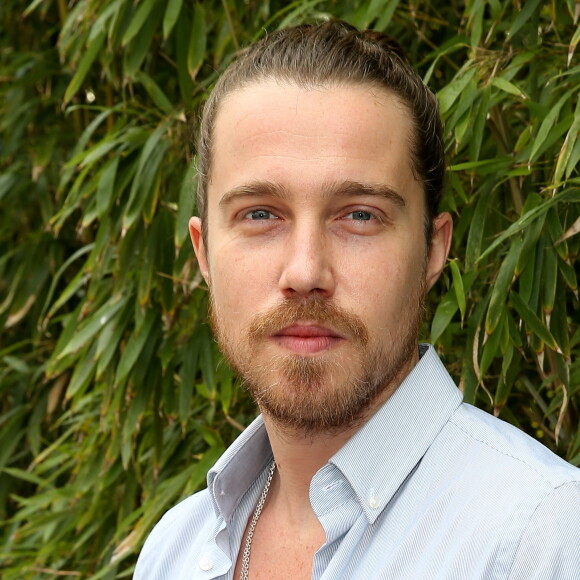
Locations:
(505, 85)
(574, 159)
(135, 345)
(16, 364)
(83, 373)
(109, 339)
(475, 21)
(185, 205)
(207, 365)
(443, 315)
(559, 326)
(505, 384)
(550, 278)
(568, 195)
(93, 49)
(31, 7)
(226, 387)
(7, 183)
(458, 287)
(147, 268)
(452, 45)
(476, 231)
(165, 261)
(449, 94)
(461, 127)
(171, 15)
(153, 90)
(106, 188)
(532, 321)
(548, 123)
(182, 48)
(531, 234)
(99, 150)
(140, 17)
(568, 146)
(77, 152)
(492, 344)
(149, 161)
(93, 324)
(479, 124)
(56, 278)
(484, 166)
(568, 274)
(137, 407)
(523, 16)
(139, 47)
(24, 475)
(502, 286)
(187, 375)
(197, 40)
(381, 9)
(573, 43)
(386, 15)
(11, 434)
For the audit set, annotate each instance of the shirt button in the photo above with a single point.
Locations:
(374, 501)
(205, 564)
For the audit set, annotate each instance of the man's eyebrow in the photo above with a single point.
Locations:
(254, 189)
(355, 188)
(346, 188)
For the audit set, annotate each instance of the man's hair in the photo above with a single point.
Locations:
(335, 53)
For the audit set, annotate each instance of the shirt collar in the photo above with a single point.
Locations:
(375, 461)
(237, 469)
(380, 456)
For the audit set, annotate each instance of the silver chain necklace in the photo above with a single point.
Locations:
(257, 512)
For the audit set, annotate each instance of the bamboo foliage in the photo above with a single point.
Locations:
(114, 401)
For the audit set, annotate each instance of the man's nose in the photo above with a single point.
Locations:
(308, 265)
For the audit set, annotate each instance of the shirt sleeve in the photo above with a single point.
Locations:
(550, 545)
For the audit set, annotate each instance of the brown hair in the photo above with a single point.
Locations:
(335, 53)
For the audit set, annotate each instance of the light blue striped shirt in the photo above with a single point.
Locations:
(430, 488)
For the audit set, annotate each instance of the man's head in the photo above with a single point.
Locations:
(335, 54)
(313, 233)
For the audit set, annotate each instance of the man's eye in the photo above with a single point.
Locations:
(259, 214)
(359, 215)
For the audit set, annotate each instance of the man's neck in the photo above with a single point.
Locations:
(298, 458)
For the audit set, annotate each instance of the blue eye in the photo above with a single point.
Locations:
(360, 215)
(260, 214)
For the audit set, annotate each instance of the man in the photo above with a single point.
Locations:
(321, 169)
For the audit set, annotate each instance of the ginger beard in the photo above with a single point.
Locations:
(328, 393)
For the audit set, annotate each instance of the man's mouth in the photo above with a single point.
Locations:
(307, 338)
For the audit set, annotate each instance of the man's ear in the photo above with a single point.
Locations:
(195, 232)
(439, 248)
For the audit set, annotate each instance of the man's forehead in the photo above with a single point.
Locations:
(262, 99)
(345, 117)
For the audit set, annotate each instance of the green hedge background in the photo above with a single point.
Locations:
(113, 399)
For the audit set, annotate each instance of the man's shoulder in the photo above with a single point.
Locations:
(495, 491)
(506, 449)
(193, 510)
(173, 534)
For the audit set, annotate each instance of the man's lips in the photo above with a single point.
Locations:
(307, 338)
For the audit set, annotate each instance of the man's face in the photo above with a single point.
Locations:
(316, 258)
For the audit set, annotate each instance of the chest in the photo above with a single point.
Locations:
(278, 552)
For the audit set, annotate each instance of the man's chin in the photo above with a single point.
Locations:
(309, 401)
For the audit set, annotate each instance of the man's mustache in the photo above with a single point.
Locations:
(314, 309)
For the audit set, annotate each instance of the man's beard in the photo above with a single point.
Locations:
(301, 393)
